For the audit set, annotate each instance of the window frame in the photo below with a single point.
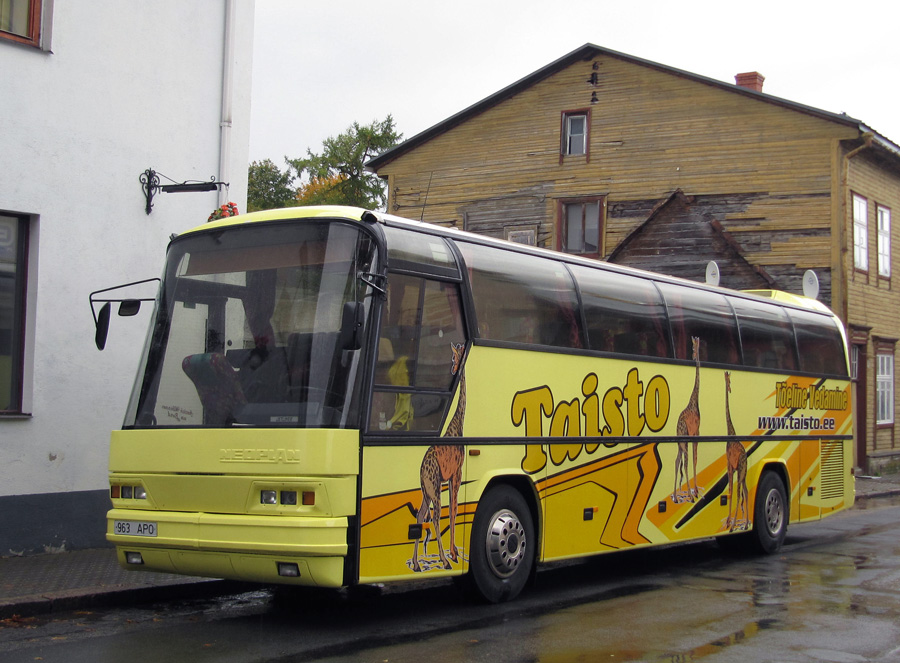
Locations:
(860, 208)
(563, 225)
(565, 135)
(884, 386)
(883, 220)
(19, 308)
(33, 38)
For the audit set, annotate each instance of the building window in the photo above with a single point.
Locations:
(884, 386)
(13, 249)
(884, 242)
(860, 233)
(581, 222)
(575, 133)
(20, 20)
(854, 362)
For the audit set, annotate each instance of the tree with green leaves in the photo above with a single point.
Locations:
(268, 187)
(337, 176)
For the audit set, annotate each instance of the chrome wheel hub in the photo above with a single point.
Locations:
(505, 543)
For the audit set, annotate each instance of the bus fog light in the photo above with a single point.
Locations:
(289, 497)
(127, 492)
(288, 569)
(133, 558)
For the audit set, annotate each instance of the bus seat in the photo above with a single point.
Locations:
(217, 386)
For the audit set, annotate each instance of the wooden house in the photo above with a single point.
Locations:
(617, 158)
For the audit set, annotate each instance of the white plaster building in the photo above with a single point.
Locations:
(92, 94)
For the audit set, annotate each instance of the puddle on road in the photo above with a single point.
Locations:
(738, 637)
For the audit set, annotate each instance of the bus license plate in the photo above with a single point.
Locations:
(134, 528)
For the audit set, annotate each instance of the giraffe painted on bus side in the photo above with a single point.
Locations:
(736, 456)
(441, 464)
(688, 426)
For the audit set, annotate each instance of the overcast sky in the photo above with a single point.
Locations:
(319, 66)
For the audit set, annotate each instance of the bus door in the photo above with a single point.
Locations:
(412, 517)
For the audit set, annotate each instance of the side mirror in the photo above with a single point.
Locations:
(351, 325)
(102, 326)
(129, 307)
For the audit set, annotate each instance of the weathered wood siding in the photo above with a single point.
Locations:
(873, 302)
(651, 133)
(774, 177)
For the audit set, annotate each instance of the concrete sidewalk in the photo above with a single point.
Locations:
(42, 584)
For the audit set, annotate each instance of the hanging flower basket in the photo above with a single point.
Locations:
(223, 212)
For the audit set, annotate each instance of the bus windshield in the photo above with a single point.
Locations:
(258, 326)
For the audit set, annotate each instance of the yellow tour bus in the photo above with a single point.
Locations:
(330, 396)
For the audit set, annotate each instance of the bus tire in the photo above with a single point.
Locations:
(770, 513)
(503, 545)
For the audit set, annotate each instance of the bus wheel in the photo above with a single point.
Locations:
(503, 545)
(770, 513)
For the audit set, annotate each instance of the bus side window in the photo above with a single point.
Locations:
(819, 342)
(420, 320)
(522, 299)
(766, 335)
(706, 315)
(624, 314)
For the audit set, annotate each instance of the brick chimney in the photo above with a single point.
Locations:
(752, 80)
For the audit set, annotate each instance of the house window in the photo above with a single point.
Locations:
(854, 362)
(884, 386)
(860, 233)
(20, 20)
(580, 226)
(575, 133)
(13, 247)
(884, 242)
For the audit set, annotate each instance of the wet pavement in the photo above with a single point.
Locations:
(42, 584)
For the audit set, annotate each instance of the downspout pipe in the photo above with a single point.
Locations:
(868, 137)
(226, 106)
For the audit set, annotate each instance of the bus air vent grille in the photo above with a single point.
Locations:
(832, 470)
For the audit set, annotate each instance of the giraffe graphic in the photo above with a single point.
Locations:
(688, 426)
(441, 464)
(737, 469)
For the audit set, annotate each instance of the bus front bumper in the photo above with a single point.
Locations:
(270, 549)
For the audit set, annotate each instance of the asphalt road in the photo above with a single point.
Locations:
(831, 594)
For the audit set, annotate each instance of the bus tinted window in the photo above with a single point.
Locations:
(820, 343)
(767, 337)
(623, 313)
(522, 299)
(420, 319)
(706, 315)
(419, 252)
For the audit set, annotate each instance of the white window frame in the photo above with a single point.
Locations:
(884, 388)
(884, 241)
(575, 144)
(860, 233)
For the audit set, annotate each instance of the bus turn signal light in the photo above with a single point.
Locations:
(117, 491)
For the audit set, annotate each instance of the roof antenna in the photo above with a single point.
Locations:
(422, 217)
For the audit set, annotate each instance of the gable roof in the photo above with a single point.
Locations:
(667, 242)
(588, 52)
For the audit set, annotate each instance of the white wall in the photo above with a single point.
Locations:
(124, 87)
